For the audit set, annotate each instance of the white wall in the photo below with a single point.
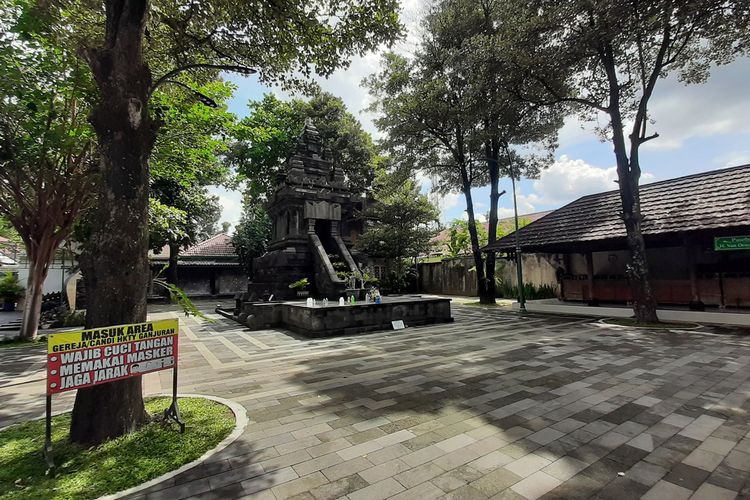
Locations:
(54, 281)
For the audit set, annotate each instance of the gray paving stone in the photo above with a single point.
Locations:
(527, 465)
(664, 489)
(300, 485)
(643, 441)
(564, 468)
(359, 450)
(339, 488)
(424, 491)
(298, 444)
(347, 468)
(384, 470)
(455, 442)
(422, 456)
(465, 493)
(550, 397)
(418, 475)
(546, 436)
(536, 485)
(568, 425)
(491, 461)
(738, 460)
(702, 427)
(494, 482)
(268, 480)
(457, 458)
(316, 464)
(383, 489)
(388, 453)
(703, 459)
(708, 491)
(235, 475)
(282, 461)
(718, 445)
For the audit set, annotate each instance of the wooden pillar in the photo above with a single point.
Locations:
(691, 250)
(590, 276)
(722, 267)
(568, 271)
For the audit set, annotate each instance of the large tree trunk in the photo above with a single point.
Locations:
(38, 268)
(174, 252)
(484, 296)
(115, 260)
(628, 175)
(493, 165)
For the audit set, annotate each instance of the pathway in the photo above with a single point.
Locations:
(491, 406)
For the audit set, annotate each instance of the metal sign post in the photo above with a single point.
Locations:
(173, 411)
(48, 438)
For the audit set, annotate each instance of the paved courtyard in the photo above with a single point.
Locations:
(491, 406)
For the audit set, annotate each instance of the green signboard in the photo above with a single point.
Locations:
(731, 243)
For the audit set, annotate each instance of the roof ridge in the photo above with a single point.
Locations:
(209, 239)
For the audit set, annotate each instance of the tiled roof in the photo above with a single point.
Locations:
(216, 247)
(709, 200)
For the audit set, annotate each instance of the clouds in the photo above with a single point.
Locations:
(565, 181)
(478, 216)
(568, 179)
(683, 112)
(526, 205)
(701, 127)
(719, 106)
(231, 204)
(446, 203)
(734, 158)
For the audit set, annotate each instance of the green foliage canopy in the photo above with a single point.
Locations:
(252, 234)
(47, 157)
(401, 222)
(268, 135)
(187, 157)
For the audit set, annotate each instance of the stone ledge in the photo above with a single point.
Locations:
(350, 319)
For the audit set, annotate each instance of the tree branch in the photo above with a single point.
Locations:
(559, 98)
(225, 67)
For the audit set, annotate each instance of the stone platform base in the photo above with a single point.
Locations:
(345, 320)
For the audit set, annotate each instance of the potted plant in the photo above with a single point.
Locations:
(301, 287)
(10, 291)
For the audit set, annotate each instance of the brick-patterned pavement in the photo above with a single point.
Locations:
(491, 406)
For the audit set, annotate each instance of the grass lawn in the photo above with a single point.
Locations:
(633, 322)
(19, 342)
(113, 466)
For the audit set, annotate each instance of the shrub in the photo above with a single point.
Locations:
(530, 291)
(60, 317)
(10, 289)
(300, 284)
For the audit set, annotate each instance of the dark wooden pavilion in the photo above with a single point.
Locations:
(697, 233)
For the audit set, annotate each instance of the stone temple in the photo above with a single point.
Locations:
(314, 224)
(314, 221)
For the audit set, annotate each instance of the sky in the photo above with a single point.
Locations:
(701, 127)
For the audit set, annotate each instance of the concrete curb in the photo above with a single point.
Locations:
(686, 327)
(553, 306)
(241, 422)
